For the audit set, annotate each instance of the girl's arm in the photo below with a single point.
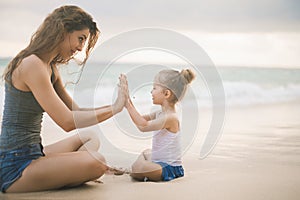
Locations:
(36, 77)
(144, 125)
(147, 122)
(136, 117)
(150, 116)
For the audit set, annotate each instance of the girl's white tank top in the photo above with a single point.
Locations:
(166, 147)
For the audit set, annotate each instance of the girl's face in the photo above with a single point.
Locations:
(73, 43)
(158, 95)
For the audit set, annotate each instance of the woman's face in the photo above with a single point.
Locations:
(73, 43)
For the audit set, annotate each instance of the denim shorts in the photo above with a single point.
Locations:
(13, 163)
(170, 172)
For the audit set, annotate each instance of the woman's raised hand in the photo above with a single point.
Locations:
(128, 100)
(126, 90)
(122, 94)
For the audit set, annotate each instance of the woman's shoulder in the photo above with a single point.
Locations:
(31, 62)
(32, 59)
(31, 67)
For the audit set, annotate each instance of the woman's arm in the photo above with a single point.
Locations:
(36, 77)
(67, 99)
(63, 94)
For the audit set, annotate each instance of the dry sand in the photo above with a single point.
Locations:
(257, 157)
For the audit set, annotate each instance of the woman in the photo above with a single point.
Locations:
(33, 85)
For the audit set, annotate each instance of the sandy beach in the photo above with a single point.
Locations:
(257, 157)
(244, 55)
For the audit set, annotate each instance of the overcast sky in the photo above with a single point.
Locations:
(233, 32)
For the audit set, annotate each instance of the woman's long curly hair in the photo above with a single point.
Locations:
(51, 33)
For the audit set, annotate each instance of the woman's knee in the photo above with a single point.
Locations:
(89, 140)
(97, 163)
(98, 157)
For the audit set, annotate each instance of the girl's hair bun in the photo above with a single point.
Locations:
(188, 75)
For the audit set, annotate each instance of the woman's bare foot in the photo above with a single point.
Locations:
(118, 171)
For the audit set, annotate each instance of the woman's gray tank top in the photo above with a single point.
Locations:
(22, 119)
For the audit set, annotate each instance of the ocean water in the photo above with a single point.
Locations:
(243, 86)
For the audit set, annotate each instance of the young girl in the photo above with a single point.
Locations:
(33, 85)
(163, 162)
